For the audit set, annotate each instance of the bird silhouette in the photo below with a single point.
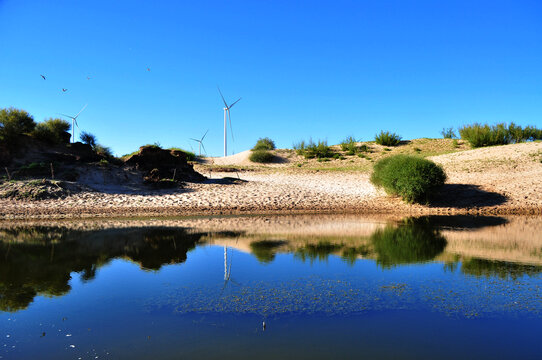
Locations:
(64, 90)
(88, 78)
(43, 77)
(148, 69)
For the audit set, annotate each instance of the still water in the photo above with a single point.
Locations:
(267, 287)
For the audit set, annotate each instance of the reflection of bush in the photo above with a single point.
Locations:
(264, 250)
(319, 251)
(39, 261)
(501, 269)
(350, 254)
(412, 242)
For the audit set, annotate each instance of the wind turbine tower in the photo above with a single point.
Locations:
(226, 117)
(74, 121)
(200, 141)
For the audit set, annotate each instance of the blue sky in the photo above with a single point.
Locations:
(320, 69)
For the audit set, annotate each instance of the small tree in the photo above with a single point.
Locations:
(448, 133)
(13, 123)
(88, 138)
(264, 144)
(53, 131)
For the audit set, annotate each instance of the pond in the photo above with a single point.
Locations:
(267, 287)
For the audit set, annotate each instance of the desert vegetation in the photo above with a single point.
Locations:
(312, 150)
(479, 135)
(264, 144)
(387, 138)
(411, 177)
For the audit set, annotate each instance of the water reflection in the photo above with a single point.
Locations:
(415, 240)
(39, 260)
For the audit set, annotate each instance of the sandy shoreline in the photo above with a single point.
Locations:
(498, 180)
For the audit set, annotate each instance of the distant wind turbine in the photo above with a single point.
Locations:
(200, 141)
(74, 121)
(226, 117)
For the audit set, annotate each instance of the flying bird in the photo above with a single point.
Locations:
(64, 90)
(43, 77)
(88, 78)
(148, 69)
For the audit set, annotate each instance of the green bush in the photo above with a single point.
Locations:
(264, 144)
(349, 145)
(364, 148)
(448, 133)
(53, 131)
(88, 138)
(103, 151)
(479, 135)
(13, 123)
(387, 138)
(413, 178)
(299, 147)
(261, 156)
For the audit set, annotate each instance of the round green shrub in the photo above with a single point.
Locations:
(264, 144)
(387, 138)
(261, 156)
(53, 131)
(413, 178)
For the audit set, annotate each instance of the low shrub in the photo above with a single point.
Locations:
(387, 138)
(413, 178)
(312, 150)
(13, 123)
(448, 133)
(349, 145)
(261, 156)
(264, 144)
(320, 150)
(479, 135)
(53, 131)
(103, 151)
(190, 156)
(364, 148)
(88, 138)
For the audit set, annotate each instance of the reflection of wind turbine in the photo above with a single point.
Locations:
(226, 117)
(227, 269)
(200, 141)
(74, 121)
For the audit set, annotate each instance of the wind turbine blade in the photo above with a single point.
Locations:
(222, 96)
(203, 137)
(76, 124)
(194, 139)
(68, 116)
(81, 111)
(234, 103)
(231, 130)
(204, 150)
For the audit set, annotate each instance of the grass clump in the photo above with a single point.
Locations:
(349, 145)
(479, 135)
(261, 156)
(387, 138)
(264, 144)
(413, 178)
(448, 133)
(312, 150)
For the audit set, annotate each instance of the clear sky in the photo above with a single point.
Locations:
(320, 69)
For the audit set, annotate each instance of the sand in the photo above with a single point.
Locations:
(497, 180)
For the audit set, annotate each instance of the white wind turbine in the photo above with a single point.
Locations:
(74, 121)
(226, 117)
(200, 141)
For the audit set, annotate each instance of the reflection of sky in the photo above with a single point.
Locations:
(117, 311)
